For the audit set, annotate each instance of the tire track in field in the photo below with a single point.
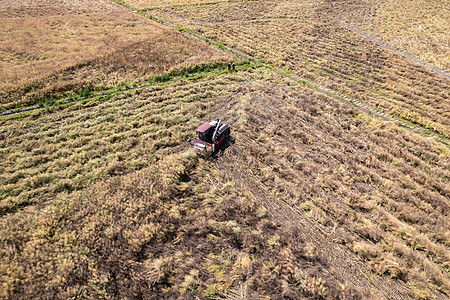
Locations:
(239, 55)
(340, 20)
(234, 22)
(348, 266)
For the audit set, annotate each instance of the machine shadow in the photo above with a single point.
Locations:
(222, 148)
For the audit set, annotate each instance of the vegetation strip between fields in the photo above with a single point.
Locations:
(161, 79)
(188, 5)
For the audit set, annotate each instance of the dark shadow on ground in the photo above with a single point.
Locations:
(221, 151)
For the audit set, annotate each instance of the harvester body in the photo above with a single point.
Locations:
(210, 136)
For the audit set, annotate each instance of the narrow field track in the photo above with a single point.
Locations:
(346, 265)
(365, 107)
(341, 21)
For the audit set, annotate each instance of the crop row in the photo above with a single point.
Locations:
(376, 188)
(50, 153)
(320, 50)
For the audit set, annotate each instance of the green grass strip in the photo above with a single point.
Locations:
(84, 96)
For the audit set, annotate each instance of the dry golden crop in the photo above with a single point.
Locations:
(311, 197)
(307, 38)
(51, 160)
(345, 183)
(364, 180)
(52, 153)
(418, 27)
(49, 51)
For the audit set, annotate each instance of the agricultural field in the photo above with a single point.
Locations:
(418, 27)
(83, 144)
(315, 195)
(373, 188)
(146, 4)
(305, 37)
(54, 48)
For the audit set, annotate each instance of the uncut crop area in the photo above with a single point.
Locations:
(51, 49)
(312, 197)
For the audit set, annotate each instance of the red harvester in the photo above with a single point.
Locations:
(210, 136)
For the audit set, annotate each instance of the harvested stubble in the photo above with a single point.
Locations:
(377, 189)
(158, 233)
(69, 149)
(167, 230)
(310, 42)
(54, 50)
(419, 27)
(183, 227)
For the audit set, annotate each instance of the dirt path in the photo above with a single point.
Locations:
(340, 20)
(349, 267)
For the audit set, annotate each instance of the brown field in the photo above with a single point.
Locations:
(51, 51)
(358, 186)
(311, 198)
(304, 37)
(418, 27)
(143, 4)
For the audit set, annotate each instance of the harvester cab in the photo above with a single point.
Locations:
(210, 136)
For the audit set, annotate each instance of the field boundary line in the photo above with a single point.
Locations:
(132, 86)
(196, 35)
(339, 20)
(364, 107)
